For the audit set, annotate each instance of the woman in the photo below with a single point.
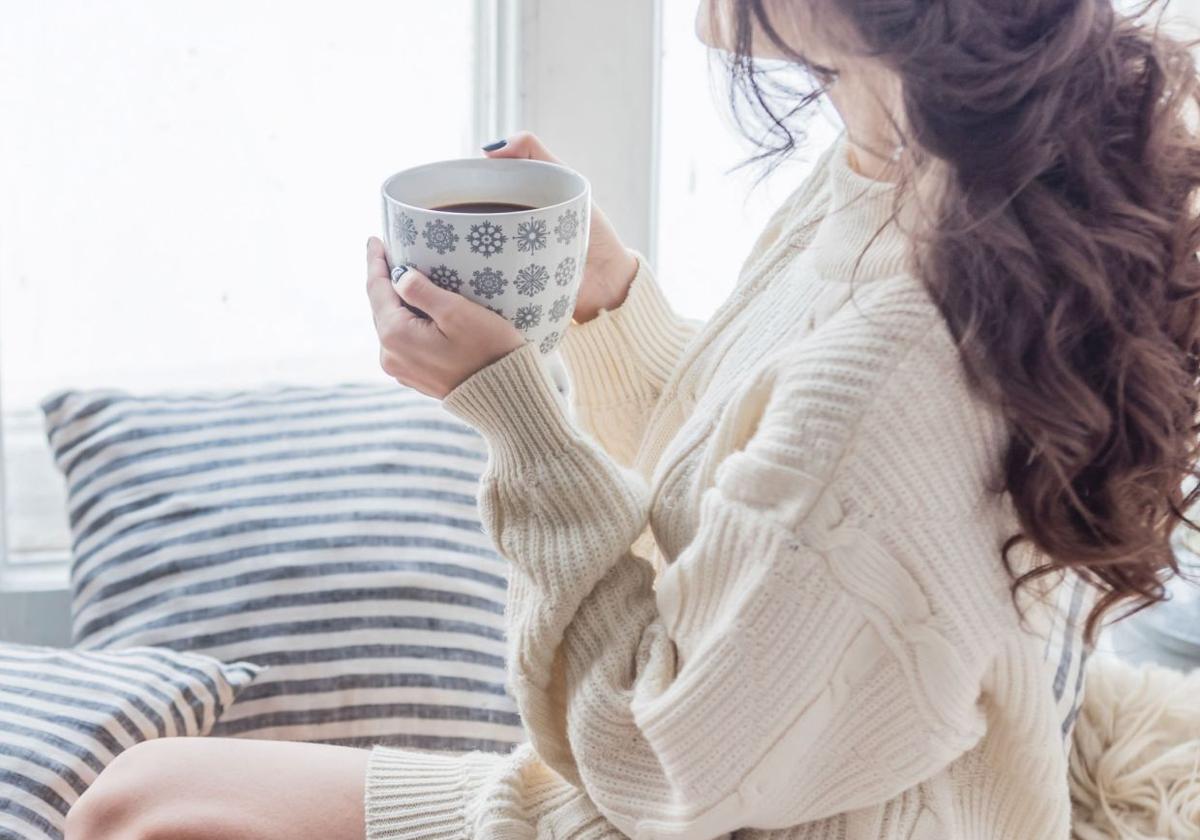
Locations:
(956, 381)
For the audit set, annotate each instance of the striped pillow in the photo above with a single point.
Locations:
(329, 533)
(64, 715)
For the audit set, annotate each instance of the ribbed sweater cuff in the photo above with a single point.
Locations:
(413, 794)
(626, 353)
(514, 403)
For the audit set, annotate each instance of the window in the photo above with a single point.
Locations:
(185, 199)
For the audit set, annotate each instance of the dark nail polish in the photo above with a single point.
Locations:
(492, 147)
(398, 272)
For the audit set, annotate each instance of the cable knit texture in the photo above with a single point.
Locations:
(755, 578)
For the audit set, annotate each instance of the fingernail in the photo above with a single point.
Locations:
(496, 146)
(398, 272)
(368, 243)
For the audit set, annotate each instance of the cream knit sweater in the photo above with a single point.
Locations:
(755, 574)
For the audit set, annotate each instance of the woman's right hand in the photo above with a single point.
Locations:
(610, 266)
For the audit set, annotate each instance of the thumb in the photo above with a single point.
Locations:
(523, 144)
(419, 292)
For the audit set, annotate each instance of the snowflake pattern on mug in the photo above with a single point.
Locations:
(548, 342)
(565, 272)
(532, 279)
(528, 316)
(532, 236)
(486, 239)
(404, 229)
(446, 277)
(440, 236)
(559, 309)
(488, 282)
(567, 227)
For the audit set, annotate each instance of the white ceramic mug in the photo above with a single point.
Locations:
(526, 265)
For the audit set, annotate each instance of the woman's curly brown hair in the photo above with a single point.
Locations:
(1061, 248)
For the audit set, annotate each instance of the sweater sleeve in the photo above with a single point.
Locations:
(785, 668)
(619, 361)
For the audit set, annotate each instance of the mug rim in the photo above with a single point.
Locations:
(566, 170)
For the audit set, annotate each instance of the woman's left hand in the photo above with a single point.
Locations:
(434, 355)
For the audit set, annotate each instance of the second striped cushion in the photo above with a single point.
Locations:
(65, 716)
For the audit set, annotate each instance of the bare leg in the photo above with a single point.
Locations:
(225, 788)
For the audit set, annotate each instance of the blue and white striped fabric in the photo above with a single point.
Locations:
(1065, 652)
(64, 715)
(329, 533)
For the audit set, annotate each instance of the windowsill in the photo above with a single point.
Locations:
(49, 575)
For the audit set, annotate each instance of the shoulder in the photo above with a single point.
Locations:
(877, 399)
(870, 339)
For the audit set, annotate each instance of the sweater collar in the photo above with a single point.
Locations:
(858, 209)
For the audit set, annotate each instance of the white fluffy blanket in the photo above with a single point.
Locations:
(1135, 767)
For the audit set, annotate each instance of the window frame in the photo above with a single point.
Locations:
(607, 55)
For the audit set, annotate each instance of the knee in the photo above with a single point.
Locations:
(128, 800)
(107, 809)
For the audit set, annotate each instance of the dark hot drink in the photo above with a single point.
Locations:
(484, 207)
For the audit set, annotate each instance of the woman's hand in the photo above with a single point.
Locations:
(435, 354)
(610, 266)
